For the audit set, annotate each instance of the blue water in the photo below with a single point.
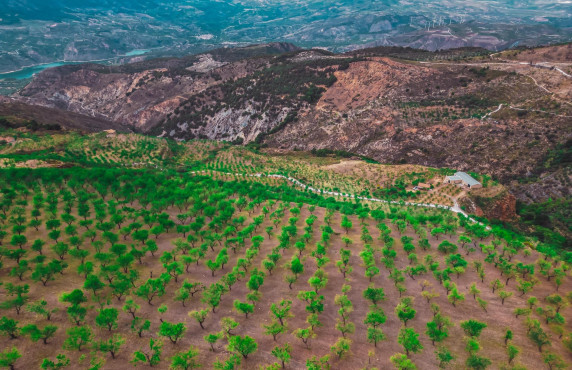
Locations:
(136, 53)
(29, 72)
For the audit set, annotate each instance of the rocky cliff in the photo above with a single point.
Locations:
(495, 203)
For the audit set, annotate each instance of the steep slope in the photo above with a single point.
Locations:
(436, 114)
(17, 111)
(142, 94)
(466, 108)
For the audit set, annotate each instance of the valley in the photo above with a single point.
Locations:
(34, 32)
(266, 185)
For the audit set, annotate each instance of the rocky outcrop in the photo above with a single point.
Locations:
(143, 95)
(494, 203)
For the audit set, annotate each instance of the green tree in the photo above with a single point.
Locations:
(374, 295)
(256, 280)
(404, 310)
(151, 357)
(212, 338)
(213, 266)
(375, 317)
(107, 318)
(281, 311)
(75, 297)
(45, 272)
(296, 266)
(539, 337)
(401, 362)
(346, 223)
(532, 301)
(138, 325)
(36, 333)
(482, 303)
(173, 332)
(474, 290)
(19, 292)
(507, 336)
(444, 356)
(314, 321)
(62, 361)
(319, 280)
(243, 345)
(304, 335)
(78, 337)
(553, 361)
(131, 307)
(409, 339)
(503, 294)
(454, 297)
(200, 316)
(473, 328)
(375, 335)
(341, 348)
(436, 232)
(227, 324)
(435, 333)
(186, 360)
(274, 329)
(557, 301)
(282, 353)
(41, 308)
(212, 295)
(9, 327)
(477, 362)
(9, 357)
(242, 307)
(512, 352)
(111, 345)
(152, 288)
(231, 363)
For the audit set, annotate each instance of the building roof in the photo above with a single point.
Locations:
(423, 185)
(467, 179)
(454, 178)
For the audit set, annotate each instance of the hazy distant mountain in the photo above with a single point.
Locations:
(36, 31)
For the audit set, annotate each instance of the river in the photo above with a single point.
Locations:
(29, 72)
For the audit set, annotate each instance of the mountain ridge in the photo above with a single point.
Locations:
(469, 109)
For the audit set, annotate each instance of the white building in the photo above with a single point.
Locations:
(463, 179)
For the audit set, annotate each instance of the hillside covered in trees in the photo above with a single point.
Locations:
(129, 251)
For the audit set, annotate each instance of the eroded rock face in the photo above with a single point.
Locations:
(140, 99)
(484, 203)
(144, 94)
(367, 81)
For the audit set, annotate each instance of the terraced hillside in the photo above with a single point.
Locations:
(126, 255)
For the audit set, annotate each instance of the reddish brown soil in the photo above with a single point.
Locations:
(498, 318)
